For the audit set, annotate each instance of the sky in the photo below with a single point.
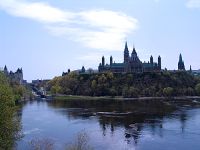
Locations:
(47, 37)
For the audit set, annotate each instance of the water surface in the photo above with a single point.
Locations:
(121, 125)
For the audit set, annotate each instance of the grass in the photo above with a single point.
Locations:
(74, 97)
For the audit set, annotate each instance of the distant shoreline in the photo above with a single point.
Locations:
(120, 98)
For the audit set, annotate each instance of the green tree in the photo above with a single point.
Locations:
(197, 89)
(133, 92)
(55, 89)
(9, 125)
(168, 91)
(113, 92)
(125, 92)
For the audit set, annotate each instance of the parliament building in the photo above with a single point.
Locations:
(131, 64)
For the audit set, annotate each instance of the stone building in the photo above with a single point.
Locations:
(14, 76)
(131, 64)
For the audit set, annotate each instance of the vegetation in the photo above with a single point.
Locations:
(9, 124)
(81, 142)
(42, 144)
(197, 88)
(154, 84)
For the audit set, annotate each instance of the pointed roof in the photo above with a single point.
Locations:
(126, 47)
(180, 58)
(83, 68)
(5, 68)
(134, 51)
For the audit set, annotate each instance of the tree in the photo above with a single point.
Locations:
(113, 92)
(168, 91)
(94, 84)
(133, 92)
(9, 125)
(55, 89)
(125, 91)
(197, 89)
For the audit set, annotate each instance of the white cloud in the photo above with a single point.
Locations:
(99, 29)
(193, 4)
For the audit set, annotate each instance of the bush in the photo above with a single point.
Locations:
(168, 91)
(197, 89)
(9, 124)
(80, 143)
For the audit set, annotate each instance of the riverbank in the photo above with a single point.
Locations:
(75, 97)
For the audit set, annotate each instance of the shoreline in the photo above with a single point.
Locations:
(120, 98)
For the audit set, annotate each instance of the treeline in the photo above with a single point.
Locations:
(9, 123)
(154, 84)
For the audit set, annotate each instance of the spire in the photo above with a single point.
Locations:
(103, 61)
(134, 51)
(159, 62)
(5, 68)
(126, 46)
(126, 53)
(111, 60)
(190, 68)
(151, 59)
(83, 69)
(180, 58)
(181, 65)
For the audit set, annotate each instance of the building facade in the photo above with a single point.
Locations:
(15, 76)
(131, 64)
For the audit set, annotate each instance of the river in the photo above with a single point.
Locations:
(113, 125)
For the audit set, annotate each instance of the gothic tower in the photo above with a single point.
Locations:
(134, 57)
(5, 70)
(159, 62)
(103, 61)
(111, 60)
(181, 65)
(151, 60)
(126, 54)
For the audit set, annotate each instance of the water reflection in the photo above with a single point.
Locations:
(133, 116)
(137, 123)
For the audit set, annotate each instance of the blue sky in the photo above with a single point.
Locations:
(46, 37)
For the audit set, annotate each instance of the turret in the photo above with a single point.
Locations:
(83, 69)
(159, 62)
(151, 60)
(134, 56)
(111, 60)
(6, 70)
(103, 61)
(181, 65)
(126, 54)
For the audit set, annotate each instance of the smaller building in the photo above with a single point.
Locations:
(15, 76)
(65, 73)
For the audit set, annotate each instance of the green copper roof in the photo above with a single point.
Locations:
(148, 65)
(117, 65)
